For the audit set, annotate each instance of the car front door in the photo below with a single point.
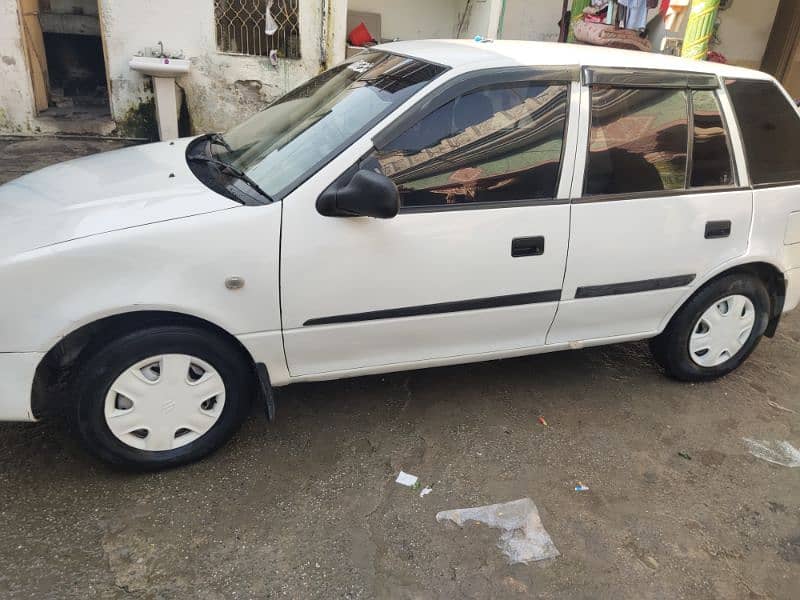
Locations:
(656, 207)
(472, 265)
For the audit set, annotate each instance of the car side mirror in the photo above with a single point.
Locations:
(366, 194)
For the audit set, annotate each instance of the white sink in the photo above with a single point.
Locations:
(160, 67)
(163, 71)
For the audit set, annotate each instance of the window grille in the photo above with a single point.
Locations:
(240, 27)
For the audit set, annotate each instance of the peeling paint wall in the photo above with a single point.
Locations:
(16, 96)
(221, 89)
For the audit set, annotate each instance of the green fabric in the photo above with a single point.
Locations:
(577, 13)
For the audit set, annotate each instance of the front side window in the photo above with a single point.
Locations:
(639, 140)
(770, 130)
(711, 157)
(497, 143)
(293, 137)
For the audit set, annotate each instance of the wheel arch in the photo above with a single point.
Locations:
(55, 370)
(767, 272)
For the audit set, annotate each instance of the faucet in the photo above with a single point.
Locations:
(161, 53)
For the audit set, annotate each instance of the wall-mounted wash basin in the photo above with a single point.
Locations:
(160, 67)
(163, 70)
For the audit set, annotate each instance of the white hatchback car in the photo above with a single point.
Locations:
(424, 203)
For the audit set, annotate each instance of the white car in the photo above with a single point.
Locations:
(424, 203)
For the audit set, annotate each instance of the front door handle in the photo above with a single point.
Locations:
(718, 229)
(527, 246)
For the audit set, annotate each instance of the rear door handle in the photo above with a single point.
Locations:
(718, 229)
(527, 246)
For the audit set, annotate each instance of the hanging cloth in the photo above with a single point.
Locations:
(636, 15)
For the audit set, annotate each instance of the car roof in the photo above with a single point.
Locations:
(469, 54)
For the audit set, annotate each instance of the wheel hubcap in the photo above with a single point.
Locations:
(164, 402)
(722, 330)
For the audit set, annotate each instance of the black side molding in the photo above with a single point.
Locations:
(441, 307)
(633, 287)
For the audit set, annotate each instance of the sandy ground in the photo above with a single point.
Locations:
(308, 507)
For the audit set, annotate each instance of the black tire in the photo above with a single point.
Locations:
(671, 348)
(106, 362)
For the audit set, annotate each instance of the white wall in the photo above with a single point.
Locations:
(16, 95)
(413, 19)
(532, 20)
(744, 31)
(221, 89)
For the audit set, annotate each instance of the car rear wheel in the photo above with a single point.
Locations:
(161, 397)
(716, 330)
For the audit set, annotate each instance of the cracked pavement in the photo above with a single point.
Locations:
(307, 507)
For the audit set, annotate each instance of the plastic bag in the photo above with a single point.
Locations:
(270, 26)
(524, 538)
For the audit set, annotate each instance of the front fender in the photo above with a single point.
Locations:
(179, 265)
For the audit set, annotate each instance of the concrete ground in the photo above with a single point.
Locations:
(308, 507)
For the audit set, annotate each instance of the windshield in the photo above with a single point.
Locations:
(296, 135)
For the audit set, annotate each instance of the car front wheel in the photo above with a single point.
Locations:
(161, 397)
(716, 330)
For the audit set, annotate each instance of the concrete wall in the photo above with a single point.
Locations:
(537, 21)
(86, 7)
(221, 89)
(16, 96)
(413, 19)
(744, 31)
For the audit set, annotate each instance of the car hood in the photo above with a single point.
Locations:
(101, 193)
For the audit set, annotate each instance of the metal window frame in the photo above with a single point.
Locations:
(251, 18)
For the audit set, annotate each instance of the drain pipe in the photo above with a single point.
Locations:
(502, 20)
(323, 34)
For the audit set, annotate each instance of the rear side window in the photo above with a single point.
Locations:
(711, 156)
(639, 140)
(493, 144)
(770, 131)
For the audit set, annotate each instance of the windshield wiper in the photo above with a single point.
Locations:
(216, 138)
(231, 170)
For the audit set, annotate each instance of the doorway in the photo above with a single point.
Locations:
(65, 55)
(783, 41)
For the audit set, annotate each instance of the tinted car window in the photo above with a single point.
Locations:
(770, 131)
(639, 140)
(711, 158)
(498, 143)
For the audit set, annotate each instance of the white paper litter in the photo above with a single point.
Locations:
(524, 538)
(778, 452)
(425, 491)
(406, 479)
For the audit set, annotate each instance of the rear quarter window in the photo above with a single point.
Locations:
(770, 129)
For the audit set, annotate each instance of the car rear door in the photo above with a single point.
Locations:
(657, 202)
(472, 265)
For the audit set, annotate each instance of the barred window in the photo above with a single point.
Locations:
(241, 27)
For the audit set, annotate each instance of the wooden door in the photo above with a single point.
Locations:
(783, 40)
(34, 48)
